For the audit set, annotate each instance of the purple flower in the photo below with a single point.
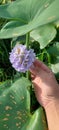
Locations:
(21, 58)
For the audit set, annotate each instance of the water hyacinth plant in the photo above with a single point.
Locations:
(21, 58)
(37, 21)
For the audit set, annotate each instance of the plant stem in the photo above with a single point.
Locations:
(27, 45)
(28, 73)
(27, 40)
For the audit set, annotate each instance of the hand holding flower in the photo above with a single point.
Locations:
(45, 84)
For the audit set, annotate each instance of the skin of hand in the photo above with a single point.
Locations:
(45, 85)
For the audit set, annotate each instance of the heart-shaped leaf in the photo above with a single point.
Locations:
(26, 16)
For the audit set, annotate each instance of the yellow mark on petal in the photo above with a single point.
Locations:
(8, 108)
(17, 51)
(5, 119)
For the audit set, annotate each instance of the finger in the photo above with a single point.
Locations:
(32, 77)
(37, 90)
(33, 70)
(41, 65)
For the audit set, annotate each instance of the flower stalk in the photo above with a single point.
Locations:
(28, 73)
(27, 40)
(27, 45)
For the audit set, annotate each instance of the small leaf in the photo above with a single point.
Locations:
(55, 68)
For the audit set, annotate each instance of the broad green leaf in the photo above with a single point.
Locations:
(36, 13)
(14, 105)
(53, 50)
(44, 35)
(15, 108)
(37, 121)
(54, 54)
(4, 85)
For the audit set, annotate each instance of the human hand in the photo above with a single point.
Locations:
(45, 85)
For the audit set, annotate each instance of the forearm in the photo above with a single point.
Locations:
(52, 113)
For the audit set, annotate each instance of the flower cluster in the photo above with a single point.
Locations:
(21, 58)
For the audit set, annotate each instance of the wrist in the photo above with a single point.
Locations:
(53, 102)
(52, 114)
(54, 98)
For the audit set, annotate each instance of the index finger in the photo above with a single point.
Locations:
(41, 65)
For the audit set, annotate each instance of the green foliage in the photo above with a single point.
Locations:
(36, 13)
(54, 54)
(40, 18)
(44, 35)
(5, 1)
(6, 71)
(15, 108)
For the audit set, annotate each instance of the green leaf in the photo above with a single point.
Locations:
(37, 121)
(44, 35)
(4, 85)
(54, 54)
(15, 108)
(57, 23)
(53, 50)
(55, 68)
(36, 13)
(14, 105)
